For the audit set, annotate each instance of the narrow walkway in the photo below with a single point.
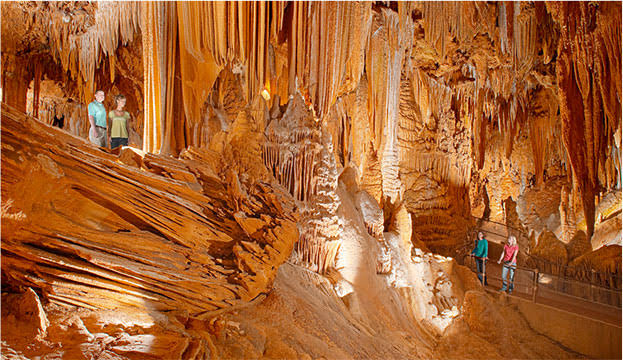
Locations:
(605, 313)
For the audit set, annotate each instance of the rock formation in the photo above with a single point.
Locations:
(303, 179)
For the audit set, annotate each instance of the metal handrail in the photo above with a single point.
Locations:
(589, 299)
(535, 284)
(492, 232)
(583, 283)
(565, 268)
(499, 223)
(599, 288)
(517, 266)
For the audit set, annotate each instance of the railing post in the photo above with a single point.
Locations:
(592, 295)
(483, 272)
(535, 284)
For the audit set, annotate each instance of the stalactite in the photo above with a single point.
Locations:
(114, 23)
(326, 46)
(420, 152)
(16, 78)
(384, 63)
(584, 85)
(538, 138)
(494, 88)
(524, 38)
(232, 33)
(453, 18)
(198, 68)
(152, 21)
(36, 89)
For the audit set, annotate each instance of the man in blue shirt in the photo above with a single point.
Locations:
(97, 118)
(480, 252)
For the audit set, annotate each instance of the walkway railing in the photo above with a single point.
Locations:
(561, 281)
(480, 220)
(583, 274)
(533, 283)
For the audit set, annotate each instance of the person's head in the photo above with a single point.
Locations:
(512, 241)
(481, 235)
(120, 101)
(100, 96)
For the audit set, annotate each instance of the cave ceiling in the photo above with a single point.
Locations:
(543, 70)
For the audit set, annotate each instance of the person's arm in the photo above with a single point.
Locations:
(127, 123)
(109, 126)
(502, 255)
(486, 249)
(475, 251)
(91, 118)
(514, 261)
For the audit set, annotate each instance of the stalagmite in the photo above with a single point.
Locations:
(320, 228)
(292, 150)
(300, 158)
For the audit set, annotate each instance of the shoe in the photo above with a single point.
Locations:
(502, 289)
(510, 292)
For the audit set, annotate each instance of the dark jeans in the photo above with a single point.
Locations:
(480, 268)
(115, 142)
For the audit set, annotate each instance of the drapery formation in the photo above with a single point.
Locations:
(326, 43)
(81, 51)
(390, 36)
(159, 27)
(15, 80)
(322, 63)
(588, 69)
(185, 46)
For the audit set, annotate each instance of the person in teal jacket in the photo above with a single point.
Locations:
(480, 252)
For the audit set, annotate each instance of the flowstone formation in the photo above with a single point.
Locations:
(75, 234)
(298, 153)
(303, 179)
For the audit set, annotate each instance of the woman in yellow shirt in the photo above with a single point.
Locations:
(120, 123)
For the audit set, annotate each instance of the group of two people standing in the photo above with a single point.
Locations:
(508, 255)
(119, 119)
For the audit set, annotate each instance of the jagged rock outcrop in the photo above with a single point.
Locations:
(137, 230)
(578, 246)
(550, 254)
